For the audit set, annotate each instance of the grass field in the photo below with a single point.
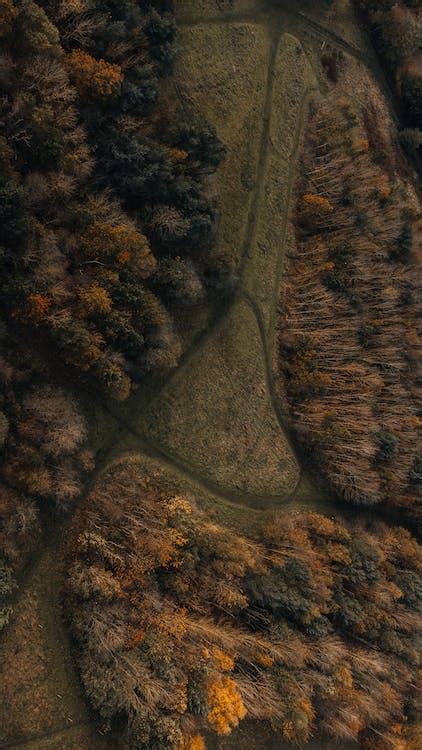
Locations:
(75, 738)
(292, 80)
(230, 93)
(216, 416)
(40, 691)
(339, 18)
(212, 8)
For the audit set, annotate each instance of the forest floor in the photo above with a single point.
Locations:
(216, 425)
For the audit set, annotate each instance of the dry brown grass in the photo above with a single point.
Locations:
(40, 690)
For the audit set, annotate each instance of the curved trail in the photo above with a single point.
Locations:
(148, 446)
(35, 738)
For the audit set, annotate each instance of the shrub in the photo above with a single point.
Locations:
(4, 428)
(387, 446)
(178, 281)
(13, 217)
(411, 89)
(198, 139)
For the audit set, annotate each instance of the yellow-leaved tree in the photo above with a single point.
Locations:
(225, 704)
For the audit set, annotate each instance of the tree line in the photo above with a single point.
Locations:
(185, 627)
(396, 32)
(106, 226)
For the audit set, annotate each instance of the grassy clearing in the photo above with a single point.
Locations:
(212, 8)
(75, 738)
(216, 415)
(39, 685)
(255, 736)
(292, 79)
(230, 93)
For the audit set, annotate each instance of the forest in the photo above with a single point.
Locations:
(182, 623)
(396, 33)
(106, 230)
(185, 627)
(102, 239)
(105, 222)
(350, 313)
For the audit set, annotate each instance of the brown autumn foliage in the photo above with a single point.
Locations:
(396, 31)
(93, 77)
(349, 334)
(42, 455)
(43, 458)
(185, 627)
(93, 172)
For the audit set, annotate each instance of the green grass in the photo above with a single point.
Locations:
(216, 416)
(221, 72)
(292, 80)
(212, 8)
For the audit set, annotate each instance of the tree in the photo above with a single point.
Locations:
(113, 378)
(192, 743)
(378, 5)
(225, 705)
(13, 217)
(161, 30)
(199, 139)
(140, 90)
(137, 167)
(62, 429)
(36, 35)
(8, 13)
(119, 243)
(169, 225)
(37, 308)
(411, 89)
(94, 300)
(93, 78)
(177, 281)
(411, 140)
(387, 446)
(4, 428)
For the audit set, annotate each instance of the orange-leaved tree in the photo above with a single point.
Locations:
(226, 707)
(93, 78)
